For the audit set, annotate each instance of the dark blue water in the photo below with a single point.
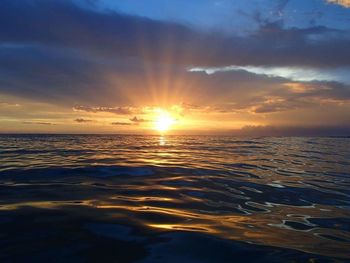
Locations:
(94, 198)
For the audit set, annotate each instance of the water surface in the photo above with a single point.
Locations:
(82, 198)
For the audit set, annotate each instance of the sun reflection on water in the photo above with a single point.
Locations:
(162, 140)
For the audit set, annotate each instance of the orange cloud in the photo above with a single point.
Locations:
(82, 120)
(297, 87)
(344, 3)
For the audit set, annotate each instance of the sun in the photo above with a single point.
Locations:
(163, 121)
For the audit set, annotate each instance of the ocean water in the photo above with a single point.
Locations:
(113, 198)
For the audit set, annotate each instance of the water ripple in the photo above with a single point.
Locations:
(270, 191)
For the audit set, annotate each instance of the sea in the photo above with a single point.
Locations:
(131, 198)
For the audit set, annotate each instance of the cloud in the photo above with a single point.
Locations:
(122, 123)
(138, 120)
(38, 123)
(274, 104)
(298, 95)
(292, 73)
(113, 35)
(114, 110)
(7, 104)
(243, 91)
(344, 3)
(81, 120)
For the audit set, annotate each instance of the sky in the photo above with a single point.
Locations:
(247, 67)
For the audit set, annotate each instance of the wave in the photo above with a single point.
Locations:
(273, 195)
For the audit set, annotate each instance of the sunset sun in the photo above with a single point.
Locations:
(163, 121)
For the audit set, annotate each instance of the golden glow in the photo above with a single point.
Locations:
(344, 3)
(163, 121)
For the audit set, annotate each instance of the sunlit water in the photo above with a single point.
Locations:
(174, 198)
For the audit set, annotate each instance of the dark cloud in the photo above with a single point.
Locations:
(104, 34)
(114, 110)
(50, 74)
(122, 123)
(66, 25)
(81, 120)
(138, 120)
(38, 123)
(67, 77)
